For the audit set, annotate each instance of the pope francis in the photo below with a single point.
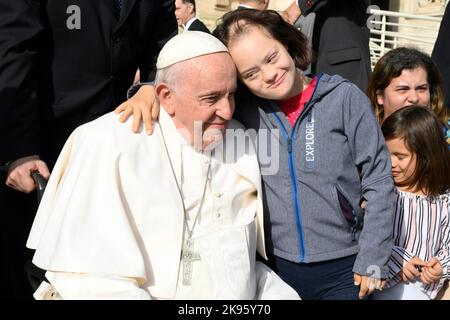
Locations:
(173, 215)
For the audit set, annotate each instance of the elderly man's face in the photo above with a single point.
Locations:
(205, 95)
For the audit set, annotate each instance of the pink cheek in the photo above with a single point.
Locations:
(426, 99)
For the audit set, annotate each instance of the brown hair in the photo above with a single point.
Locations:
(391, 66)
(235, 23)
(423, 135)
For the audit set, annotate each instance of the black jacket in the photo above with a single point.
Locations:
(341, 38)
(441, 53)
(66, 62)
(197, 25)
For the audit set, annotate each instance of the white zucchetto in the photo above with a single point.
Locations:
(188, 45)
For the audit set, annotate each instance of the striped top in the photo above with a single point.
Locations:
(421, 229)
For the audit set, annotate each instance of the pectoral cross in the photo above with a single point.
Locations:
(188, 256)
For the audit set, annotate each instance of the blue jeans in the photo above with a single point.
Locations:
(327, 280)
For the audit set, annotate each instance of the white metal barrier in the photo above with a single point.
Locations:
(389, 30)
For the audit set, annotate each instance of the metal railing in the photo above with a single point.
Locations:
(389, 30)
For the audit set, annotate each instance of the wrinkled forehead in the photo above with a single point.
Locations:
(212, 72)
(416, 70)
(417, 74)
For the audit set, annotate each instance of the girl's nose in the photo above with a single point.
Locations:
(269, 75)
(413, 97)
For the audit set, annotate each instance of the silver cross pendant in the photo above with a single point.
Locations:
(188, 256)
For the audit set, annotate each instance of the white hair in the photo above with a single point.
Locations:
(169, 75)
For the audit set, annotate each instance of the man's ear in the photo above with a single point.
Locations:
(165, 95)
(190, 8)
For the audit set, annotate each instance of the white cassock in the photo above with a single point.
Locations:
(111, 223)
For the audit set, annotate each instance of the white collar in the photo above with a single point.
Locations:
(245, 6)
(188, 24)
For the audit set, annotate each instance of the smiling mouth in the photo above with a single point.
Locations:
(277, 82)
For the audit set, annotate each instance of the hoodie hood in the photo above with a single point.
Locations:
(327, 84)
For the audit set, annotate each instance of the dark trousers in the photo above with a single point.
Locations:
(328, 280)
(17, 214)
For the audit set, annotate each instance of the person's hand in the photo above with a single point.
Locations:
(19, 173)
(432, 272)
(292, 13)
(411, 271)
(363, 204)
(143, 105)
(367, 285)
